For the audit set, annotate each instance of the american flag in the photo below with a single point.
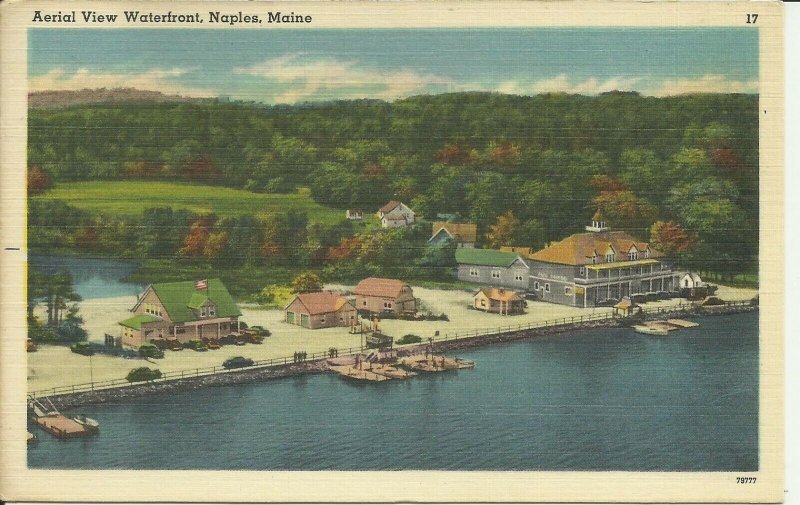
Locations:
(201, 284)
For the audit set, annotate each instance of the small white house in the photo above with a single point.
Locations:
(355, 214)
(691, 280)
(396, 215)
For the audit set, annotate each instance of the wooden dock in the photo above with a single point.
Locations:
(682, 323)
(60, 426)
(364, 374)
(433, 363)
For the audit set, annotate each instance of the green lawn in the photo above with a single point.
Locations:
(131, 197)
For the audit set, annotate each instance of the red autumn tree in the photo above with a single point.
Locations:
(671, 238)
(194, 244)
(452, 154)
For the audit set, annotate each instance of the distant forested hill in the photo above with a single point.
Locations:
(549, 160)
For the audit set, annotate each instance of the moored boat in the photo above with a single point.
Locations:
(88, 423)
(32, 438)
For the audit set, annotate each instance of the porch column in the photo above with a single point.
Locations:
(219, 329)
(175, 331)
(584, 296)
(238, 326)
(196, 334)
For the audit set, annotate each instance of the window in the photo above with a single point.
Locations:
(483, 303)
(633, 255)
(202, 312)
(212, 311)
(567, 290)
(647, 253)
(390, 305)
(547, 287)
(536, 286)
(519, 277)
(582, 270)
(365, 303)
(610, 257)
(322, 319)
(495, 274)
(594, 259)
(474, 272)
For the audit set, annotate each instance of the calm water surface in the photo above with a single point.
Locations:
(92, 277)
(606, 399)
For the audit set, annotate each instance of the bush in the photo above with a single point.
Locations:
(142, 374)
(409, 339)
(82, 348)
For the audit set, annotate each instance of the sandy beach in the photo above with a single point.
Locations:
(54, 366)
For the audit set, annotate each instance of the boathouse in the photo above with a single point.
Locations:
(182, 311)
(321, 309)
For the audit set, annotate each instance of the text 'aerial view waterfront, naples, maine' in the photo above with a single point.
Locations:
(393, 249)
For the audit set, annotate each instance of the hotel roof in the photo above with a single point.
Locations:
(578, 249)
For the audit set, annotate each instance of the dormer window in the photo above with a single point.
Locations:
(647, 253)
(594, 258)
(212, 311)
(633, 255)
(202, 312)
(610, 257)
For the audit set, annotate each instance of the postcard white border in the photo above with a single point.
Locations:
(19, 483)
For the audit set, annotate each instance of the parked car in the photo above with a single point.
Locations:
(237, 362)
(229, 339)
(150, 351)
(196, 345)
(84, 348)
(174, 345)
(259, 331)
(143, 374)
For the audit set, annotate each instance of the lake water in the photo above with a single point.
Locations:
(92, 277)
(605, 399)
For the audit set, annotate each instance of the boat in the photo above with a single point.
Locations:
(32, 438)
(88, 423)
(649, 330)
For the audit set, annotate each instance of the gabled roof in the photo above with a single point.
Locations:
(501, 295)
(462, 232)
(322, 302)
(377, 286)
(136, 321)
(176, 298)
(389, 207)
(578, 249)
(487, 257)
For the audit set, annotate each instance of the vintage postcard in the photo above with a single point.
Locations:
(382, 251)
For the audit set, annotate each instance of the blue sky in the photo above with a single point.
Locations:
(291, 66)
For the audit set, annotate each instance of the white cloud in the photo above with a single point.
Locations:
(562, 84)
(707, 84)
(328, 78)
(155, 79)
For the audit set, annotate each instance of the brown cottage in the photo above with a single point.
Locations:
(322, 309)
(376, 295)
(498, 300)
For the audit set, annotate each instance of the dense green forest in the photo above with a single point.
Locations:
(679, 171)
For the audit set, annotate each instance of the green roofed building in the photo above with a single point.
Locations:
(493, 268)
(181, 311)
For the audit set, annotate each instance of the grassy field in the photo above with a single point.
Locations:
(130, 197)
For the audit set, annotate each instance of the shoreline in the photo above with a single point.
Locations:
(243, 376)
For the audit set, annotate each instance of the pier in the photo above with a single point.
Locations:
(363, 368)
(57, 424)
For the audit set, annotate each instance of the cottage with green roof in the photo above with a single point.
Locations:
(493, 268)
(181, 311)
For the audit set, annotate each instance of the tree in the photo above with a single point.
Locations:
(306, 282)
(623, 209)
(502, 232)
(39, 181)
(673, 240)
